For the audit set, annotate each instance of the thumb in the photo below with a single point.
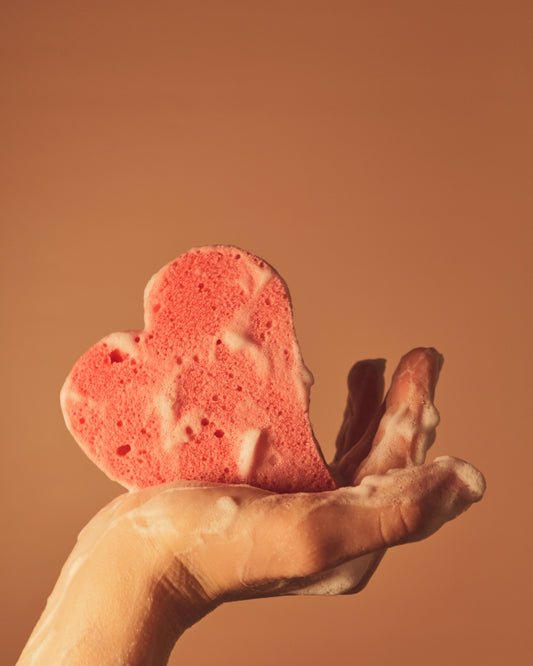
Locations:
(308, 533)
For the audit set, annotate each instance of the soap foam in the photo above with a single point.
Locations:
(247, 446)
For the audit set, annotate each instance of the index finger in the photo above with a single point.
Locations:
(407, 428)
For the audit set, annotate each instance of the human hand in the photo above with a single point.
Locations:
(155, 561)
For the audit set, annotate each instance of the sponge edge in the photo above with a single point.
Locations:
(213, 388)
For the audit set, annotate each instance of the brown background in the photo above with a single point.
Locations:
(378, 154)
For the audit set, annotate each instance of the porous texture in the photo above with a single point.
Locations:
(213, 389)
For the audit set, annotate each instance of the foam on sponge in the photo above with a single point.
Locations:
(213, 388)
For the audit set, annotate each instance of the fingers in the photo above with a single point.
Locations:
(407, 428)
(312, 533)
(365, 393)
(406, 432)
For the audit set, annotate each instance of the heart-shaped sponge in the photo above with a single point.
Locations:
(213, 389)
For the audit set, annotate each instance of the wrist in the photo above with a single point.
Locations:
(118, 600)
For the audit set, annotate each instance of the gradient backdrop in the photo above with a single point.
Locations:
(379, 156)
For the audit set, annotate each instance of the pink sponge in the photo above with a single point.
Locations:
(213, 389)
